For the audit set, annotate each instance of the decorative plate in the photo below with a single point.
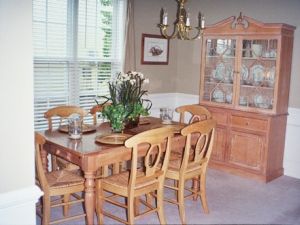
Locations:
(229, 98)
(257, 72)
(218, 95)
(223, 72)
(258, 100)
(113, 139)
(85, 128)
(245, 72)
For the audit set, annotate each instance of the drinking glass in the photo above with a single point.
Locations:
(166, 115)
(75, 127)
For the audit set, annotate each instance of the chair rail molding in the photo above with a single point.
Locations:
(291, 162)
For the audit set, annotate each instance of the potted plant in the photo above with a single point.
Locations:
(127, 102)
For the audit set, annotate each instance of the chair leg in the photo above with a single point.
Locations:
(160, 205)
(149, 198)
(46, 210)
(66, 198)
(99, 202)
(136, 206)
(176, 185)
(181, 201)
(195, 188)
(203, 193)
(130, 209)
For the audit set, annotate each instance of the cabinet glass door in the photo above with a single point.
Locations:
(258, 73)
(220, 57)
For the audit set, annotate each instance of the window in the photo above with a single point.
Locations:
(78, 46)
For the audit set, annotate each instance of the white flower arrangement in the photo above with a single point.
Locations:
(127, 96)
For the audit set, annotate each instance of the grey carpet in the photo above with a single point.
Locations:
(231, 200)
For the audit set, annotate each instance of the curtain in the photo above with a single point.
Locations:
(129, 51)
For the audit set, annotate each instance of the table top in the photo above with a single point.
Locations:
(88, 145)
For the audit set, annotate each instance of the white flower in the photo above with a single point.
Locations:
(132, 81)
(140, 75)
(124, 76)
(146, 81)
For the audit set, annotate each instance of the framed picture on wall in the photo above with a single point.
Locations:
(155, 50)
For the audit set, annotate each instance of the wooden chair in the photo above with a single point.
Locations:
(135, 182)
(56, 183)
(63, 112)
(197, 113)
(184, 169)
(95, 109)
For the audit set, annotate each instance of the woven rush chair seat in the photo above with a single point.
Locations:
(65, 165)
(137, 182)
(63, 178)
(175, 165)
(121, 180)
(186, 168)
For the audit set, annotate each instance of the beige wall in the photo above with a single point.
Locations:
(182, 73)
(16, 95)
(162, 78)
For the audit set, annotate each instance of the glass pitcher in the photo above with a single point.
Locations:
(166, 115)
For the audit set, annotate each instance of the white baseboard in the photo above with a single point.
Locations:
(291, 161)
(18, 207)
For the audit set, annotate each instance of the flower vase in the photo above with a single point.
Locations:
(132, 122)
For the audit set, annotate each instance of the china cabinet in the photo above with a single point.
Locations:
(245, 78)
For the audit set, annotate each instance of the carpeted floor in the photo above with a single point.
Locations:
(231, 200)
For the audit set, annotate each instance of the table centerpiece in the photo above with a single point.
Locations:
(126, 102)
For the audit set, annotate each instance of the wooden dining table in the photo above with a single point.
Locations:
(91, 155)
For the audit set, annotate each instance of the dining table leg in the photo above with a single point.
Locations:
(89, 196)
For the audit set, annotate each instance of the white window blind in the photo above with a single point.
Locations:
(78, 46)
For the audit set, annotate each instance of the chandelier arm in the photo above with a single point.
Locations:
(197, 36)
(199, 33)
(164, 28)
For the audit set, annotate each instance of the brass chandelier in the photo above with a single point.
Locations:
(182, 25)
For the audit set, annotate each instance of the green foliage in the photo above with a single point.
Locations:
(116, 115)
(106, 2)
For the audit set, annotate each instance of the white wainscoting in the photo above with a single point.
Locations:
(291, 161)
(171, 100)
(17, 207)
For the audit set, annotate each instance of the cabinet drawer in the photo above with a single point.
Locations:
(249, 123)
